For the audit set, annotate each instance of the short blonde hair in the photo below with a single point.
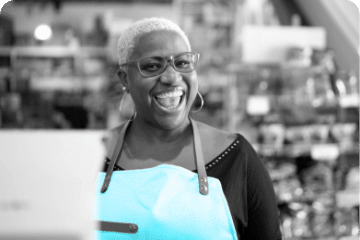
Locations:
(130, 36)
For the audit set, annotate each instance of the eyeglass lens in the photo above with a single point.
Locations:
(153, 66)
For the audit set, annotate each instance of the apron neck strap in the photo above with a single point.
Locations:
(200, 164)
(115, 155)
(199, 158)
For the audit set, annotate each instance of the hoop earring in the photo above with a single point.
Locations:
(202, 103)
(121, 103)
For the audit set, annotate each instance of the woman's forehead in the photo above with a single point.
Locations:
(162, 42)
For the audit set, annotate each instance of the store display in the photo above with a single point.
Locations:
(306, 143)
(64, 80)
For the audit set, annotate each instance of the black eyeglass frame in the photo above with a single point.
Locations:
(168, 59)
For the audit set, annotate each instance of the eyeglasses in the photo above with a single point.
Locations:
(153, 66)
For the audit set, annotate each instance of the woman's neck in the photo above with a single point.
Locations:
(149, 133)
(146, 142)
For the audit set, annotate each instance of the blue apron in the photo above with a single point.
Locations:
(162, 202)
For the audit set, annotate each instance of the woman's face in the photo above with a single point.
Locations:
(163, 101)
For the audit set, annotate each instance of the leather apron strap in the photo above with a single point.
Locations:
(200, 164)
(115, 155)
(199, 158)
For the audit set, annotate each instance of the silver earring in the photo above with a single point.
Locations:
(121, 103)
(202, 103)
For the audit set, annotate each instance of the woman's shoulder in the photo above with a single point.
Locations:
(214, 141)
(212, 132)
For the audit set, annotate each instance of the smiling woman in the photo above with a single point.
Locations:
(167, 176)
(154, 84)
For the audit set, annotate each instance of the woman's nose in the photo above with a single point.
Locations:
(170, 75)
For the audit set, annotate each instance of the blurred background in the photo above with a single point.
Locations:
(284, 73)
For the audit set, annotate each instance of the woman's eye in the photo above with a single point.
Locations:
(182, 64)
(151, 67)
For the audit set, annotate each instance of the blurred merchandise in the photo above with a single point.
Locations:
(353, 179)
(300, 57)
(307, 137)
(59, 87)
(347, 87)
(99, 35)
(7, 34)
(347, 221)
(320, 91)
(344, 132)
(317, 178)
(11, 111)
(322, 219)
(300, 222)
(272, 138)
(288, 189)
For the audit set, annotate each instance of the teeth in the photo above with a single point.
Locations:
(169, 100)
(170, 94)
(171, 107)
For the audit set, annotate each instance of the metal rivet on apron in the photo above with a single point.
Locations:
(203, 179)
(133, 228)
(203, 188)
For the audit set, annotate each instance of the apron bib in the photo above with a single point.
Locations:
(163, 202)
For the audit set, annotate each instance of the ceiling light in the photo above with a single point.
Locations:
(43, 32)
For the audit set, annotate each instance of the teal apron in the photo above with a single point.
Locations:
(162, 202)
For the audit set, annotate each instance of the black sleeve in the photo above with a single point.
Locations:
(263, 213)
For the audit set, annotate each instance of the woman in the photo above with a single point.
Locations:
(156, 162)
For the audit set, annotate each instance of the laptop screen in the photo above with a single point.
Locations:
(47, 179)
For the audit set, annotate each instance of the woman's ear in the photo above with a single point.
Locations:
(123, 77)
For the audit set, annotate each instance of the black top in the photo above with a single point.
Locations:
(247, 188)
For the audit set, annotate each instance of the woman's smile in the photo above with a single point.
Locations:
(170, 101)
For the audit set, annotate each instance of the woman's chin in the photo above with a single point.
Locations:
(172, 122)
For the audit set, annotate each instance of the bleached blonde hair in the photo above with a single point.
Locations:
(130, 36)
